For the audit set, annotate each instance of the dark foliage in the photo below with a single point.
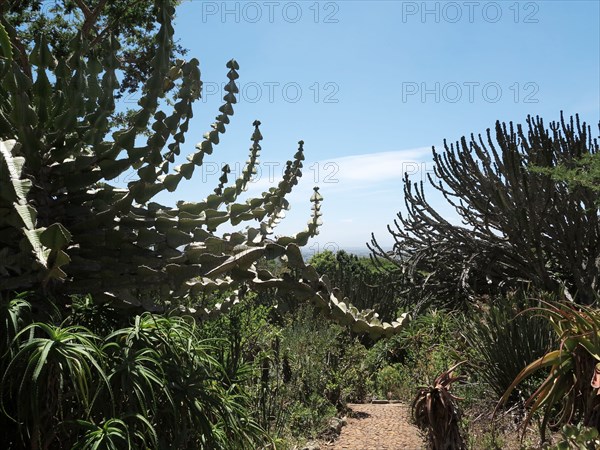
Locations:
(518, 226)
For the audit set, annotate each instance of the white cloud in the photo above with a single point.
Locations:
(354, 171)
(362, 195)
(377, 167)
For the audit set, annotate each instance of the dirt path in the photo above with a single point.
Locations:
(378, 427)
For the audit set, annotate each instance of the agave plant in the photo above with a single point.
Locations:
(435, 411)
(567, 394)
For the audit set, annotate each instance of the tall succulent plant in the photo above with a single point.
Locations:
(519, 225)
(64, 227)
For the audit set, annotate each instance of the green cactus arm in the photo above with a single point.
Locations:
(115, 243)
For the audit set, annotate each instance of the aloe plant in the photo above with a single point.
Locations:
(15, 314)
(568, 393)
(66, 229)
(435, 410)
(112, 434)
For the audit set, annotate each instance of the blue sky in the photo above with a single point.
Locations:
(370, 86)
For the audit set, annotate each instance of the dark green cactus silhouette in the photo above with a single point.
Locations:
(520, 226)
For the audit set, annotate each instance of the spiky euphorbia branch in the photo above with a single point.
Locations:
(65, 228)
(518, 226)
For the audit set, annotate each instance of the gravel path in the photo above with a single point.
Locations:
(378, 427)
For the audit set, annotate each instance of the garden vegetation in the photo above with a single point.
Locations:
(130, 324)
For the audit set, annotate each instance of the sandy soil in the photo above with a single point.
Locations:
(378, 427)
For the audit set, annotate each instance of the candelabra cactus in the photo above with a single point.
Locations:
(64, 227)
(519, 224)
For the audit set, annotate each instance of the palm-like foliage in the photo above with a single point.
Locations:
(156, 383)
(15, 314)
(161, 369)
(136, 377)
(113, 434)
(133, 431)
(55, 370)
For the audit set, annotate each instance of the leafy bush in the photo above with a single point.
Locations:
(301, 370)
(390, 383)
(424, 349)
(357, 386)
(325, 362)
(577, 437)
(309, 416)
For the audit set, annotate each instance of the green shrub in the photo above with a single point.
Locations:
(310, 416)
(577, 437)
(155, 383)
(357, 386)
(315, 357)
(424, 349)
(502, 338)
(301, 369)
(390, 383)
